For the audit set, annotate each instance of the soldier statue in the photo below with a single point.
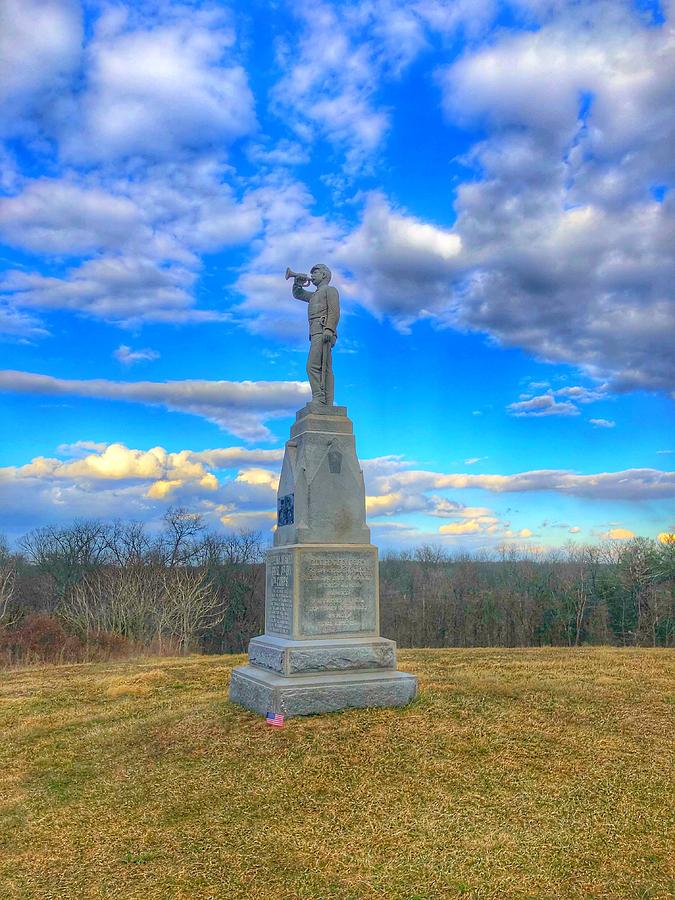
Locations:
(323, 312)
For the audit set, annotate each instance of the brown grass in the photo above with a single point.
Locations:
(516, 774)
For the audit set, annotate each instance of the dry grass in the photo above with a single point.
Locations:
(516, 774)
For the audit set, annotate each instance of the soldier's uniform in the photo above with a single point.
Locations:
(323, 312)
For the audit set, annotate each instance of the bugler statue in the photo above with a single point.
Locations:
(323, 312)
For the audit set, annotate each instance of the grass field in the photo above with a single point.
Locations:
(516, 773)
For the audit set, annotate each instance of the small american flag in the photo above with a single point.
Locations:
(275, 719)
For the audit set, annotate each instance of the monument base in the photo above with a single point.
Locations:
(263, 691)
(284, 656)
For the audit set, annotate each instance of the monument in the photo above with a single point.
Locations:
(321, 650)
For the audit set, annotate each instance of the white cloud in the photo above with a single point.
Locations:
(229, 484)
(128, 357)
(149, 106)
(240, 407)
(386, 263)
(543, 405)
(559, 217)
(40, 49)
(602, 423)
(238, 457)
(64, 217)
(364, 46)
(400, 265)
(80, 449)
(124, 290)
(111, 481)
(629, 484)
(618, 534)
(335, 96)
(172, 212)
(548, 405)
(161, 90)
(16, 325)
(456, 528)
(562, 221)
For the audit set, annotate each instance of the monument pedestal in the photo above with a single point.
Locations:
(322, 649)
(302, 695)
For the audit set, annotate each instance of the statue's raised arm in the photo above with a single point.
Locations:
(323, 312)
(300, 282)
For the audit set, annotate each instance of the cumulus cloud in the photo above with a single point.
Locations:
(470, 527)
(40, 50)
(400, 265)
(239, 407)
(157, 90)
(550, 404)
(618, 534)
(64, 217)
(234, 484)
(124, 290)
(337, 96)
(110, 481)
(128, 357)
(171, 211)
(560, 244)
(563, 222)
(395, 475)
(602, 423)
(149, 105)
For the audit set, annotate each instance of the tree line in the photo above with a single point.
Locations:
(95, 590)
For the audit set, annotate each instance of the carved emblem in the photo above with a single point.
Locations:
(335, 461)
(285, 509)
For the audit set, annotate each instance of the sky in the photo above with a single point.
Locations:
(491, 184)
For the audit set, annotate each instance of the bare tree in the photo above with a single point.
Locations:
(7, 582)
(636, 564)
(127, 543)
(192, 604)
(579, 579)
(67, 553)
(124, 600)
(178, 541)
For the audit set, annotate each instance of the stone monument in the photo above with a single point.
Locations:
(322, 649)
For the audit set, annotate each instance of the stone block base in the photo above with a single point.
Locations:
(288, 657)
(263, 691)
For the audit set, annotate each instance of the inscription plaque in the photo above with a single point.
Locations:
(279, 593)
(338, 593)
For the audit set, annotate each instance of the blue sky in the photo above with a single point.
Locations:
(491, 184)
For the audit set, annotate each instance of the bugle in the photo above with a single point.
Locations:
(300, 277)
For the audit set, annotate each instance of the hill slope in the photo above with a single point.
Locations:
(517, 773)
